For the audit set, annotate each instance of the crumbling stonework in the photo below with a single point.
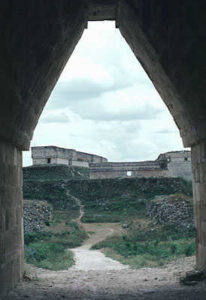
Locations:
(174, 209)
(170, 164)
(37, 215)
(69, 157)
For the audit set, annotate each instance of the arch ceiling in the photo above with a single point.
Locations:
(42, 35)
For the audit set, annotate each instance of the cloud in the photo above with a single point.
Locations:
(102, 63)
(80, 90)
(145, 113)
(104, 103)
(165, 131)
(55, 118)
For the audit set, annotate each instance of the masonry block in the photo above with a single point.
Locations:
(11, 243)
(199, 196)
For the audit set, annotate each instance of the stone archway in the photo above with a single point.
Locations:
(37, 38)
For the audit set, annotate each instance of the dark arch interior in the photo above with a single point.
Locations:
(37, 38)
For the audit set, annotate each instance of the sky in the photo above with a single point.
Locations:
(105, 104)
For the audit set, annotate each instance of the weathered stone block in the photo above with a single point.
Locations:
(11, 244)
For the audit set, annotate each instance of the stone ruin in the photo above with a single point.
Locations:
(61, 156)
(170, 164)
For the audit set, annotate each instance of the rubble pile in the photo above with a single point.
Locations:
(37, 215)
(172, 209)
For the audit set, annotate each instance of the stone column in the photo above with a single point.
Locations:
(199, 195)
(11, 217)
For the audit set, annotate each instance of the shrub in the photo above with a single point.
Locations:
(49, 250)
(48, 255)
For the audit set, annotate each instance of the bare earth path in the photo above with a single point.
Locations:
(86, 259)
(96, 277)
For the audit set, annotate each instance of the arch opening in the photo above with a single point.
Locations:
(128, 173)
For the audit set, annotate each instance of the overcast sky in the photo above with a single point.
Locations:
(104, 103)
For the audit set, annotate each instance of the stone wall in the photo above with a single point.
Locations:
(50, 160)
(81, 164)
(112, 173)
(56, 155)
(11, 217)
(126, 169)
(170, 164)
(178, 164)
(82, 156)
(199, 192)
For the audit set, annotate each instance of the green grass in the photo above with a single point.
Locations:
(116, 200)
(50, 250)
(54, 173)
(96, 215)
(150, 246)
(165, 232)
(50, 256)
(54, 192)
(152, 256)
(104, 200)
(65, 216)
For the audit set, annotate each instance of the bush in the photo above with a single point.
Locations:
(48, 255)
(50, 250)
(149, 246)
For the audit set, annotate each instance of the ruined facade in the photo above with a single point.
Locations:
(170, 164)
(69, 157)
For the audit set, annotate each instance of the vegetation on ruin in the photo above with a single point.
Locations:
(54, 173)
(116, 200)
(104, 200)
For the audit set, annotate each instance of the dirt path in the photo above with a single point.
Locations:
(86, 259)
(81, 207)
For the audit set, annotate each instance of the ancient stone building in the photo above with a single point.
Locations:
(170, 164)
(37, 38)
(69, 157)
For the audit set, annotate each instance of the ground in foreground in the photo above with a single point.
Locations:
(141, 284)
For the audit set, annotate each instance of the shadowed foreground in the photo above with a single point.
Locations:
(145, 283)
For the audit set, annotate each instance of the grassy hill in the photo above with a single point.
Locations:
(144, 242)
(104, 200)
(114, 200)
(54, 173)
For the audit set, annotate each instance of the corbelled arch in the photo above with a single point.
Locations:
(37, 38)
